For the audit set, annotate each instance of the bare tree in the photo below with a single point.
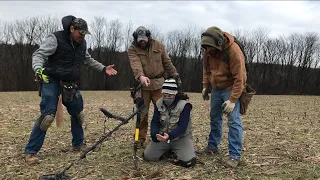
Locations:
(16, 32)
(305, 62)
(128, 38)
(5, 35)
(260, 35)
(286, 64)
(29, 30)
(47, 25)
(281, 51)
(2, 30)
(4, 60)
(293, 47)
(242, 35)
(171, 43)
(98, 32)
(156, 33)
(270, 56)
(195, 63)
(114, 36)
(196, 43)
(95, 43)
(317, 64)
(258, 38)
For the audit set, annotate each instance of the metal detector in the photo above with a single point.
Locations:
(139, 102)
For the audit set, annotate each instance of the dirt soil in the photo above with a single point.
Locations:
(280, 140)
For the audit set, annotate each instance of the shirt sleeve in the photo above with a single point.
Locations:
(155, 124)
(46, 49)
(237, 66)
(92, 63)
(135, 62)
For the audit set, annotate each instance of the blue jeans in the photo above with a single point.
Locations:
(49, 100)
(218, 97)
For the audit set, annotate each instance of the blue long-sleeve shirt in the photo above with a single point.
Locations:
(181, 126)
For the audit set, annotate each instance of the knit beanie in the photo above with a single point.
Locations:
(170, 86)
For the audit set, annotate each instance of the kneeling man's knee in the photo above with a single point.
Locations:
(147, 156)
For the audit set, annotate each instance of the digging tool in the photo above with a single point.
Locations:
(59, 113)
(37, 79)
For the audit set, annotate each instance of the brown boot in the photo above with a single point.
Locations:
(31, 159)
(81, 148)
(208, 151)
(231, 162)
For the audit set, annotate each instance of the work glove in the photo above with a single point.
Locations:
(205, 94)
(228, 107)
(40, 73)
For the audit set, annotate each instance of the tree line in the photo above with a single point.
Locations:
(287, 64)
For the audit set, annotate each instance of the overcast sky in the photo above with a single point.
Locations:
(279, 17)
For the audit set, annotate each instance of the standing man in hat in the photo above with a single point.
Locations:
(57, 64)
(225, 74)
(149, 62)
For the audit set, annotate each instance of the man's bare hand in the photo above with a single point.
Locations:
(144, 80)
(110, 71)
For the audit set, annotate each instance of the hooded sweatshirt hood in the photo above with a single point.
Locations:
(66, 22)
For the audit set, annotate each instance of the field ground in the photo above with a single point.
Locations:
(280, 140)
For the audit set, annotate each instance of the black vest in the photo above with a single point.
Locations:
(66, 62)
